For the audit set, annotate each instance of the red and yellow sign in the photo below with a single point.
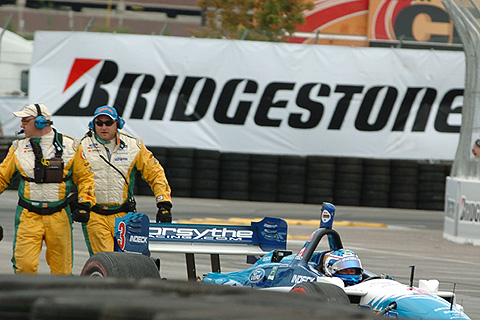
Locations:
(359, 22)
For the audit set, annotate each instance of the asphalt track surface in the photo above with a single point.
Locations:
(387, 241)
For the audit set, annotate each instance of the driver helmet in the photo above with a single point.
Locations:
(344, 264)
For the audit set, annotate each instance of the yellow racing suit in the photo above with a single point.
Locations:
(43, 213)
(115, 165)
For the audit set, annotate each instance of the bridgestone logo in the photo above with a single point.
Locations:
(469, 210)
(233, 100)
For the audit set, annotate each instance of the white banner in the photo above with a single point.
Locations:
(255, 97)
(462, 211)
(9, 123)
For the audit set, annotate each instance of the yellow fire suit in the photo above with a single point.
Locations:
(115, 165)
(48, 217)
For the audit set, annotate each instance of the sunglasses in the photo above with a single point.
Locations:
(108, 123)
(25, 121)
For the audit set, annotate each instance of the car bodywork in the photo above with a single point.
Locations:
(281, 271)
(134, 233)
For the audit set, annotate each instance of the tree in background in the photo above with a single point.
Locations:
(266, 20)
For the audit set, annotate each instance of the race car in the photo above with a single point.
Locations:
(276, 269)
(279, 270)
(136, 238)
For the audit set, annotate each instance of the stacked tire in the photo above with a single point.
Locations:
(263, 177)
(296, 179)
(291, 179)
(180, 171)
(431, 186)
(403, 184)
(234, 176)
(376, 183)
(206, 174)
(348, 181)
(319, 179)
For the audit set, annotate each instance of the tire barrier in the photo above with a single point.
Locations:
(59, 297)
(291, 179)
(376, 183)
(263, 177)
(206, 174)
(431, 186)
(404, 184)
(319, 179)
(211, 174)
(234, 176)
(179, 170)
(348, 181)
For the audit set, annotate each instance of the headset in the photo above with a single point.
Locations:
(40, 121)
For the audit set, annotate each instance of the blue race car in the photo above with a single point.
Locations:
(318, 272)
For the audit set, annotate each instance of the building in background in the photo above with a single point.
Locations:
(172, 17)
(405, 23)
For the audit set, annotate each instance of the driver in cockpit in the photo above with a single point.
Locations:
(342, 263)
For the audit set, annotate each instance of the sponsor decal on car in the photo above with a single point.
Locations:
(138, 239)
(200, 233)
(297, 278)
(256, 276)
(300, 254)
(271, 276)
(326, 216)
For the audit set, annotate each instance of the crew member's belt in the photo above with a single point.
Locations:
(104, 212)
(43, 211)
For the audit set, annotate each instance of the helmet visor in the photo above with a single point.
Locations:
(346, 263)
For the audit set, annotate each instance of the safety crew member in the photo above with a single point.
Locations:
(48, 163)
(115, 158)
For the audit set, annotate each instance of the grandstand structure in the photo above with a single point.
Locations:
(169, 17)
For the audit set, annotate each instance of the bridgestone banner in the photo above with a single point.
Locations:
(255, 97)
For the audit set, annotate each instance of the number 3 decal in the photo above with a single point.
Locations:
(122, 228)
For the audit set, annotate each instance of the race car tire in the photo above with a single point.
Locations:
(120, 265)
(325, 292)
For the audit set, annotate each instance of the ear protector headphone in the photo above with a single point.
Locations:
(120, 122)
(40, 121)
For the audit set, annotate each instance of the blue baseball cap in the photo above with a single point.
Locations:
(107, 111)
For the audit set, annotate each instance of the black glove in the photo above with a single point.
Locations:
(164, 215)
(81, 212)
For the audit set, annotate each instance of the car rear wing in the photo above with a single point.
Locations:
(255, 240)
